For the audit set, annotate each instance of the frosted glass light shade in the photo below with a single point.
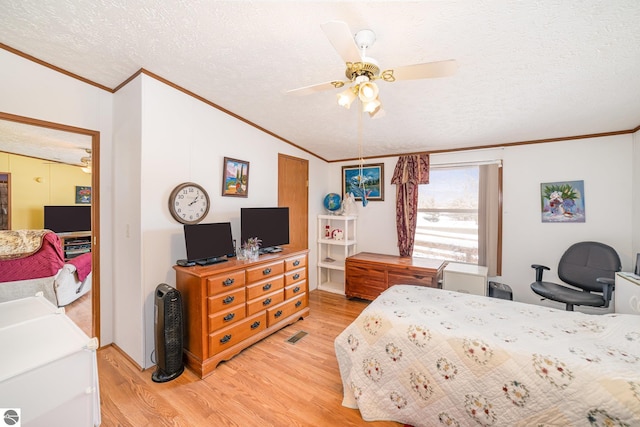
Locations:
(346, 98)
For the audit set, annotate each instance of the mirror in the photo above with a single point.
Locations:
(43, 158)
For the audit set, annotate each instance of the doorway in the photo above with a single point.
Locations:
(293, 191)
(37, 127)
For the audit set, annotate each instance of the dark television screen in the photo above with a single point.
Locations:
(208, 241)
(271, 225)
(66, 219)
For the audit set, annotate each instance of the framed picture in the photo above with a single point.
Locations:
(83, 195)
(562, 201)
(235, 178)
(370, 182)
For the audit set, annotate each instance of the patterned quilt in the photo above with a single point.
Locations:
(20, 243)
(430, 357)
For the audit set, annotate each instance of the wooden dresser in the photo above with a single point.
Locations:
(367, 274)
(234, 304)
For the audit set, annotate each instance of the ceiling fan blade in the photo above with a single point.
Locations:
(308, 90)
(341, 38)
(428, 70)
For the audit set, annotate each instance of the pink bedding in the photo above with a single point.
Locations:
(82, 264)
(47, 261)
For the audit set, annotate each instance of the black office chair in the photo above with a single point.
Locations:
(588, 266)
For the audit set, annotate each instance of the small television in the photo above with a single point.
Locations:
(208, 243)
(271, 225)
(67, 219)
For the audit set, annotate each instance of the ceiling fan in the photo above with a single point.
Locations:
(362, 70)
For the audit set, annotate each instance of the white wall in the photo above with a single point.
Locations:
(635, 211)
(128, 319)
(34, 91)
(182, 139)
(605, 164)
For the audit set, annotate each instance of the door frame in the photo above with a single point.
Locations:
(95, 206)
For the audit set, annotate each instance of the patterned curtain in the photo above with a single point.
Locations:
(410, 172)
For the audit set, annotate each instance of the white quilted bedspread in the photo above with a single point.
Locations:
(430, 357)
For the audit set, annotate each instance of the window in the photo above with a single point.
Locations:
(447, 224)
(458, 216)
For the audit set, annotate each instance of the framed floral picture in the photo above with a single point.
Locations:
(562, 201)
(83, 195)
(368, 180)
(235, 178)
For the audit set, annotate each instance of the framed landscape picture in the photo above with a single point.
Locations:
(235, 178)
(370, 182)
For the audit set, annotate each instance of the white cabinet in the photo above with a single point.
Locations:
(336, 241)
(467, 278)
(626, 296)
(49, 371)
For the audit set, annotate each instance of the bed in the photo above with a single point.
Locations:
(32, 261)
(430, 357)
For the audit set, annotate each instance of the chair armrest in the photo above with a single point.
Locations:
(607, 288)
(539, 270)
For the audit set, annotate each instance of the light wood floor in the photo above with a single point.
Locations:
(80, 312)
(272, 383)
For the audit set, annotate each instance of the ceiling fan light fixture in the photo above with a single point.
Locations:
(346, 97)
(371, 107)
(368, 91)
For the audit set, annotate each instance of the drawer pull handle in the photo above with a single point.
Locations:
(296, 263)
(228, 282)
(296, 276)
(229, 316)
(225, 339)
(277, 314)
(266, 271)
(298, 304)
(228, 300)
(267, 301)
(255, 324)
(266, 287)
(296, 289)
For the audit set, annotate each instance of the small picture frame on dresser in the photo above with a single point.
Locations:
(637, 269)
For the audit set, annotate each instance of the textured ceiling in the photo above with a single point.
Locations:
(528, 70)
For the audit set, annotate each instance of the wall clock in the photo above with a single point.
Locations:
(189, 203)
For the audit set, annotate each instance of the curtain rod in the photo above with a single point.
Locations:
(470, 163)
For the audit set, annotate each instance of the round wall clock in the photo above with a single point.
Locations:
(189, 203)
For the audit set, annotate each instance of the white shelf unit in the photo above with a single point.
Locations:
(331, 273)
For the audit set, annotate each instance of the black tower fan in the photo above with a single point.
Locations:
(169, 330)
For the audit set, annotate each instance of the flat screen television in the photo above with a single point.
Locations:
(271, 225)
(67, 219)
(208, 243)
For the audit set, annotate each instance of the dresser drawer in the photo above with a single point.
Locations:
(295, 290)
(294, 276)
(225, 282)
(225, 318)
(264, 271)
(295, 262)
(412, 278)
(364, 281)
(266, 301)
(282, 311)
(264, 287)
(225, 301)
(228, 337)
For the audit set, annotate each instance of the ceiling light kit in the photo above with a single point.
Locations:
(86, 162)
(361, 74)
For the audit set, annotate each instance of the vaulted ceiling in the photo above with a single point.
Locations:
(527, 70)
